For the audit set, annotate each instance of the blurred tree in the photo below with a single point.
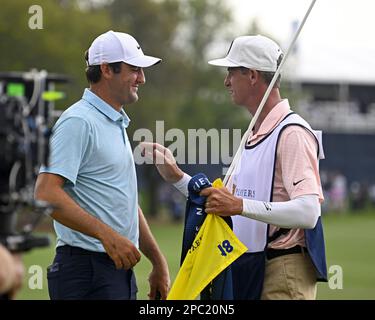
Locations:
(59, 47)
(203, 26)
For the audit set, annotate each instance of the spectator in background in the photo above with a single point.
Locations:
(371, 194)
(326, 186)
(338, 192)
(358, 196)
(172, 200)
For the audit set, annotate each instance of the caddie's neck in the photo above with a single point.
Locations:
(273, 99)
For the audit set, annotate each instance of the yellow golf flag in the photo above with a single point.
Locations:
(214, 248)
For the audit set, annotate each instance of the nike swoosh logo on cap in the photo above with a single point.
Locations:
(295, 183)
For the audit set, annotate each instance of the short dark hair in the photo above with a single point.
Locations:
(94, 73)
(267, 76)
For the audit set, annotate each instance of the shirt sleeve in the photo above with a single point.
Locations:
(182, 184)
(68, 145)
(297, 151)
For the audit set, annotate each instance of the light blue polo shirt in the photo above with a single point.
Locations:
(91, 149)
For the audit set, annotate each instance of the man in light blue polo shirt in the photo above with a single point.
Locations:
(91, 182)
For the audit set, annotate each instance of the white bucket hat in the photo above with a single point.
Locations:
(253, 52)
(116, 47)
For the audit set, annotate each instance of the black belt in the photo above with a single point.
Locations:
(69, 250)
(274, 253)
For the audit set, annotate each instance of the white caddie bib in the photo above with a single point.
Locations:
(254, 177)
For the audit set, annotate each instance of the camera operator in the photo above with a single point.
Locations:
(11, 274)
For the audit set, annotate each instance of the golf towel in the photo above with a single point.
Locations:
(213, 249)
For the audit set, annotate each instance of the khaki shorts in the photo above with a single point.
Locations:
(290, 277)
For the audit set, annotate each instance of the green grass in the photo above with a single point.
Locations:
(350, 241)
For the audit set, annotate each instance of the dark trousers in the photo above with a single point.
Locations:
(248, 276)
(79, 274)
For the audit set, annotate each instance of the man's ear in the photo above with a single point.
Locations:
(253, 76)
(106, 70)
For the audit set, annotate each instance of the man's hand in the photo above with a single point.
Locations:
(222, 202)
(19, 271)
(11, 273)
(49, 187)
(159, 278)
(163, 159)
(121, 250)
(159, 281)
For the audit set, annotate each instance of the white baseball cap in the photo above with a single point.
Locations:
(253, 52)
(116, 47)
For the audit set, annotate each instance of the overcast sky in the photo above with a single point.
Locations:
(337, 42)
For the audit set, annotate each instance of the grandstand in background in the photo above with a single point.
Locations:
(345, 112)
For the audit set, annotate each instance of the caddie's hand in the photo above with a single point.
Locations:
(220, 201)
(163, 159)
(121, 250)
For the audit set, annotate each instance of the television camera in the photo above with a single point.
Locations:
(27, 108)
